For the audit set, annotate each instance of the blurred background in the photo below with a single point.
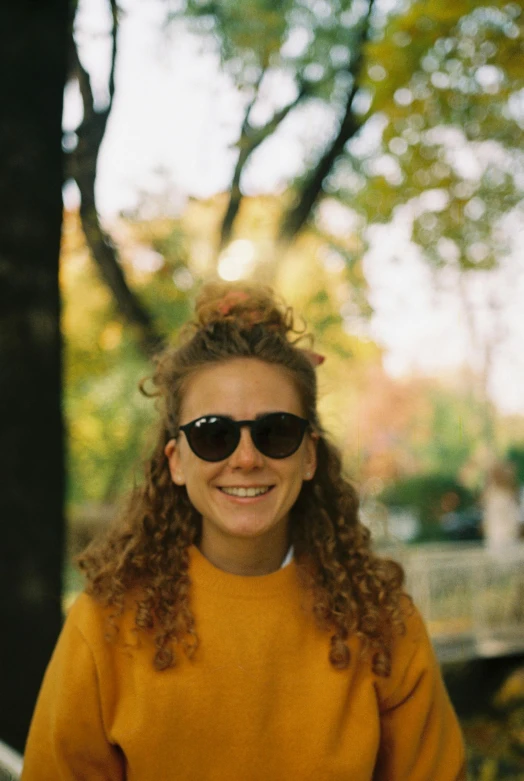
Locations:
(363, 157)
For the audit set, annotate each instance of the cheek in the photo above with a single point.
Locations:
(294, 487)
(195, 497)
(199, 477)
(295, 475)
(197, 494)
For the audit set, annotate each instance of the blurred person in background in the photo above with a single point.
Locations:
(235, 623)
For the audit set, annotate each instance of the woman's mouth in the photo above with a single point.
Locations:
(244, 492)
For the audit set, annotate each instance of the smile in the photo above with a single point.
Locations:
(246, 492)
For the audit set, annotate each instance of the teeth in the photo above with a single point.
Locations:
(245, 491)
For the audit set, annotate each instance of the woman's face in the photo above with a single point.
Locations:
(242, 389)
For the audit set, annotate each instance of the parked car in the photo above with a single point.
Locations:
(463, 524)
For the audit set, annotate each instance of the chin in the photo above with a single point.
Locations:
(246, 528)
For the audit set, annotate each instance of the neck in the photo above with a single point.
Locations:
(245, 555)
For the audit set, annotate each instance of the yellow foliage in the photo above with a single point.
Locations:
(111, 336)
(87, 429)
(489, 770)
(512, 690)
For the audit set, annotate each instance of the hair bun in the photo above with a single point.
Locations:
(244, 304)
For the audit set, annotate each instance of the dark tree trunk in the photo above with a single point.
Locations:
(33, 46)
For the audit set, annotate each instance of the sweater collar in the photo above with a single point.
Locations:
(243, 586)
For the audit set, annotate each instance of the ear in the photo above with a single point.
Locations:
(310, 460)
(173, 459)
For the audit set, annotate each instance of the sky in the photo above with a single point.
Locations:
(174, 122)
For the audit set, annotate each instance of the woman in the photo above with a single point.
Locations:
(235, 624)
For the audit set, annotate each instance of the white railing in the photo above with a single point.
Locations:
(472, 599)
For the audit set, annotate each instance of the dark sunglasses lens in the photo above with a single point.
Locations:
(279, 435)
(213, 439)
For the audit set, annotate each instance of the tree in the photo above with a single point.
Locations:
(445, 83)
(406, 97)
(419, 117)
(33, 46)
(258, 43)
(400, 97)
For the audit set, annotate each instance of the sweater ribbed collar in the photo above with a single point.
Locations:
(241, 586)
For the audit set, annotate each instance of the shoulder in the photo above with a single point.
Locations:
(415, 631)
(97, 623)
(412, 658)
(86, 612)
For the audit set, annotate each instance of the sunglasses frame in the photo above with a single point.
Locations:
(238, 425)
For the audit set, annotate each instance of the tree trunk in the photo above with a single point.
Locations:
(33, 50)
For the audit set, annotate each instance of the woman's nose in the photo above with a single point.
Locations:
(246, 455)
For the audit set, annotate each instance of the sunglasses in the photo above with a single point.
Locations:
(276, 435)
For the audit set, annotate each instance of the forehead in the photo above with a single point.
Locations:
(240, 388)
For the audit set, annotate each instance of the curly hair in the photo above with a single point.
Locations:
(147, 551)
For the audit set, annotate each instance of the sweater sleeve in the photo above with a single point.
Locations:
(67, 740)
(420, 735)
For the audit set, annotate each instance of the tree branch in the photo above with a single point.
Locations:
(106, 256)
(82, 168)
(235, 193)
(84, 81)
(250, 139)
(114, 46)
(294, 220)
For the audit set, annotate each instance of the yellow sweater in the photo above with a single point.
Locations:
(258, 702)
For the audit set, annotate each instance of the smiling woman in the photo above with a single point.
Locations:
(244, 498)
(236, 623)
